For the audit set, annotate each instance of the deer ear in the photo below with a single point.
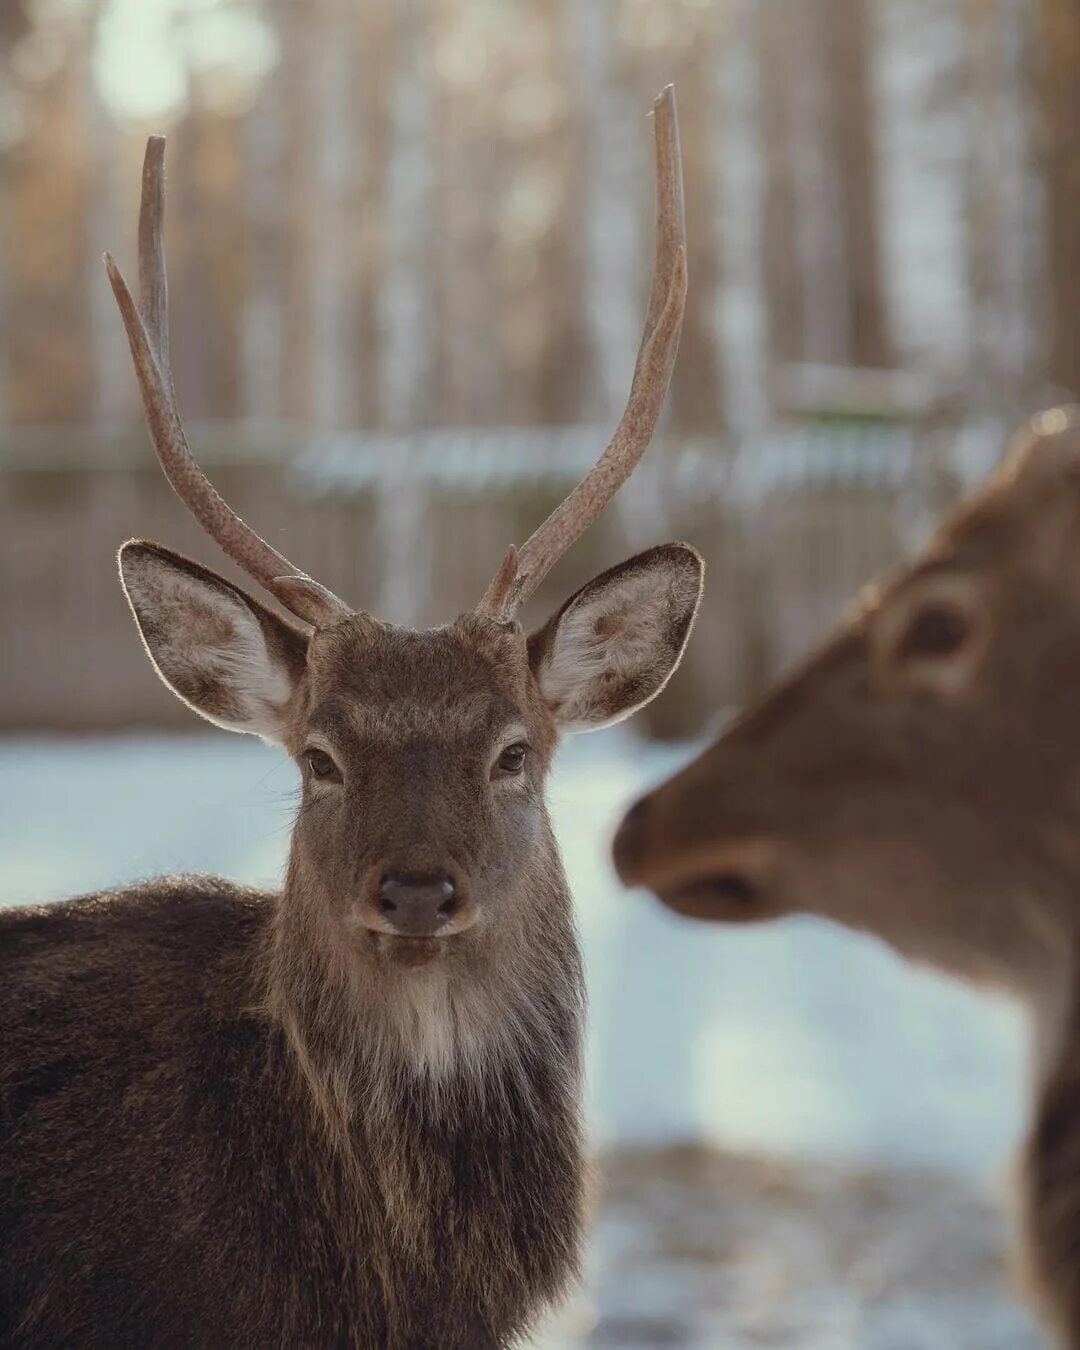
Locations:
(616, 643)
(230, 659)
(1047, 450)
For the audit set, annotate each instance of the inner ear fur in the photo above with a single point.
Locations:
(230, 658)
(616, 642)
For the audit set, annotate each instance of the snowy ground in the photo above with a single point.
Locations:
(766, 1047)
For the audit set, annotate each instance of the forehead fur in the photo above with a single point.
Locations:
(469, 676)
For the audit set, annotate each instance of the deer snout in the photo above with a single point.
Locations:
(694, 870)
(417, 906)
(629, 844)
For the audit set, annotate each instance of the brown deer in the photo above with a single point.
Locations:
(919, 779)
(346, 1114)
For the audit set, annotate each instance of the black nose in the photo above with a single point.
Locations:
(416, 906)
(629, 840)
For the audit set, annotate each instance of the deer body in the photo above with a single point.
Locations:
(170, 1176)
(919, 780)
(348, 1114)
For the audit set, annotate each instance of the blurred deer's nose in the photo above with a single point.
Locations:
(629, 842)
(416, 906)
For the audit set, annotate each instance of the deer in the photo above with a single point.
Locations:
(347, 1113)
(918, 779)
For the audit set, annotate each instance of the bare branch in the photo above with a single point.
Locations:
(147, 327)
(652, 375)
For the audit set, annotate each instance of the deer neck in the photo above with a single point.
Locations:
(1002, 912)
(359, 1029)
(1037, 932)
(1051, 922)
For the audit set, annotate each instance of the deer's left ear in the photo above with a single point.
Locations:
(616, 643)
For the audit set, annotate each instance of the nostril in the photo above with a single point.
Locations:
(415, 902)
(444, 894)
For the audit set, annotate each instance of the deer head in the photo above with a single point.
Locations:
(918, 778)
(422, 839)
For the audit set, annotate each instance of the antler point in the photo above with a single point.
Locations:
(652, 373)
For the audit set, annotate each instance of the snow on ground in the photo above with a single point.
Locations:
(715, 1251)
(783, 1043)
(794, 1038)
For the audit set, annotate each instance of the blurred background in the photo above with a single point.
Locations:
(409, 244)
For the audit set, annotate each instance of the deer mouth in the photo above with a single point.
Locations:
(725, 896)
(407, 950)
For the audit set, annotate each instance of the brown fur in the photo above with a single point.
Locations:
(927, 790)
(168, 1181)
(229, 1118)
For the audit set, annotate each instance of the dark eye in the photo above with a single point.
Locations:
(935, 631)
(512, 759)
(321, 765)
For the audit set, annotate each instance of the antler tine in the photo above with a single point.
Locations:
(147, 327)
(518, 577)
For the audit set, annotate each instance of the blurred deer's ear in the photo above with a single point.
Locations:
(616, 643)
(230, 659)
(1039, 487)
(1047, 450)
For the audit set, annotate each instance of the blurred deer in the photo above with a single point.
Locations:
(346, 1114)
(919, 779)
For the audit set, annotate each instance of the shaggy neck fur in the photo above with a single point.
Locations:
(447, 1100)
(465, 1017)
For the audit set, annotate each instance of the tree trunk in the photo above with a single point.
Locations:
(1060, 25)
(781, 271)
(843, 26)
(739, 174)
(696, 388)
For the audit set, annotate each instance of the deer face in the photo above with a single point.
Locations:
(423, 834)
(423, 755)
(917, 777)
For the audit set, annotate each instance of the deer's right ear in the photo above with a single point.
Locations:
(230, 659)
(616, 642)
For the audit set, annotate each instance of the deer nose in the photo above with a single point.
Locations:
(629, 841)
(416, 906)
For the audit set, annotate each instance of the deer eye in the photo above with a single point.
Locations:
(322, 765)
(936, 630)
(512, 759)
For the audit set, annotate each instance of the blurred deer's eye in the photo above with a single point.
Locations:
(936, 630)
(321, 765)
(512, 759)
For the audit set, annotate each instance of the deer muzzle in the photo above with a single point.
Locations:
(694, 869)
(415, 906)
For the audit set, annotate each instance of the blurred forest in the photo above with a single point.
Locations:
(435, 212)
(400, 217)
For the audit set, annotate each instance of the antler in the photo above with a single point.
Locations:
(522, 571)
(147, 326)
